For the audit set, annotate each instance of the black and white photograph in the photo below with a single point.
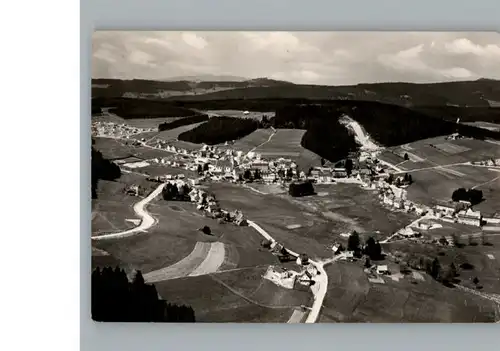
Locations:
(295, 177)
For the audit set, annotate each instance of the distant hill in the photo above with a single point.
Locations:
(207, 78)
(183, 86)
(477, 93)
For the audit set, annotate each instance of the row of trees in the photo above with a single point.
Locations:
(171, 192)
(407, 179)
(101, 168)
(218, 130)
(372, 248)
(115, 299)
(474, 196)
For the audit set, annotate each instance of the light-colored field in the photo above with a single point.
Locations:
(136, 164)
(297, 316)
(451, 149)
(235, 296)
(213, 260)
(485, 125)
(173, 134)
(352, 297)
(286, 143)
(239, 113)
(252, 140)
(182, 268)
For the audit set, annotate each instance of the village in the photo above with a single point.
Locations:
(225, 164)
(217, 164)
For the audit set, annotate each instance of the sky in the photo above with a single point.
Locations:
(330, 58)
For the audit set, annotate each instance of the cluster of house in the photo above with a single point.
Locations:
(114, 130)
(491, 162)
(208, 203)
(458, 212)
(454, 136)
(396, 197)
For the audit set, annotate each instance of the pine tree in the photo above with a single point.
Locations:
(353, 242)
(435, 269)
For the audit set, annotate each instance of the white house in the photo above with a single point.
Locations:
(469, 217)
(349, 254)
(492, 220)
(269, 177)
(382, 269)
(215, 169)
(445, 210)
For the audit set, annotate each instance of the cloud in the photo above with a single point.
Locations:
(465, 46)
(301, 57)
(194, 40)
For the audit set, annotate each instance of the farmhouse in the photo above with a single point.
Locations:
(445, 210)
(492, 219)
(469, 217)
(260, 165)
(269, 177)
(382, 269)
(339, 172)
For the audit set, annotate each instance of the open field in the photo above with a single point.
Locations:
(172, 134)
(112, 148)
(238, 296)
(286, 143)
(135, 122)
(321, 219)
(434, 185)
(239, 113)
(483, 266)
(175, 235)
(356, 209)
(113, 206)
(274, 214)
(352, 298)
(252, 140)
(486, 125)
(439, 151)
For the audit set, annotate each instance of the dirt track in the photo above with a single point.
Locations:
(147, 221)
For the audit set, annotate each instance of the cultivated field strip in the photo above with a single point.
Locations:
(182, 268)
(213, 260)
(297, 316)
(205, 258)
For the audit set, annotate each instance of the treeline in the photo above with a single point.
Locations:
(129, 108)
(324, 135)
(388, 125)
(115, 299)
(182, 122)
(471, 93)
(329, 139)
(219, 130)
(256, 105)
(101, 168)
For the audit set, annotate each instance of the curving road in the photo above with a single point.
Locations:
(147, 221)
(321, 283)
